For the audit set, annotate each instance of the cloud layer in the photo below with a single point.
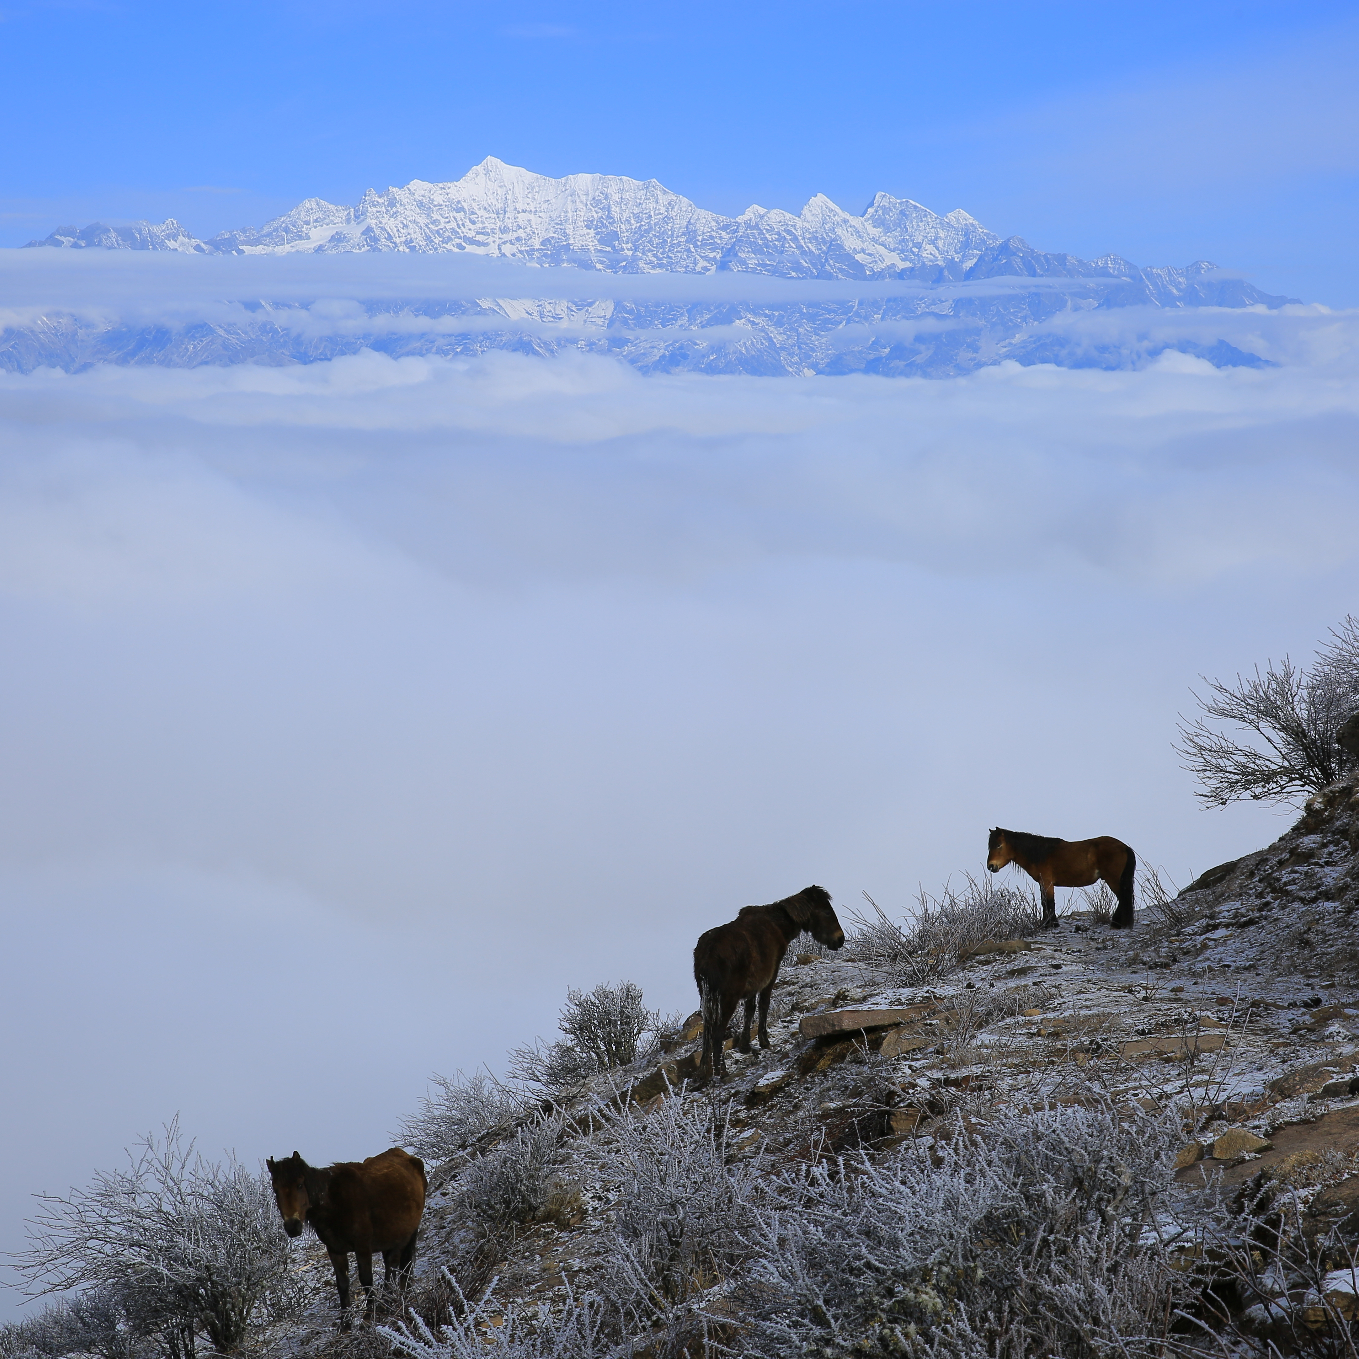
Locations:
(358, 709)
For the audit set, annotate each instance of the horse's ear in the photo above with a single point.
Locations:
(800, 910)
(269, 1161)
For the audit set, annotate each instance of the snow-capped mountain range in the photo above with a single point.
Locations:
(973, 298)
(606, 222)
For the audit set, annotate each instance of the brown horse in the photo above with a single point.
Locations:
(1051, 863)
(359, 1206)
(740, 961)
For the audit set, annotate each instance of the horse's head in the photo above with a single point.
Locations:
(295, 1191)
(812, 910)
(998, 851)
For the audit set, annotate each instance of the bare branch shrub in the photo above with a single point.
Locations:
(1039, 1235)
(559, 1068)
(186, 1247)
(933, 943)
(488, 1329)
(1289, 716)
(684, 1205)
(462, 1111)
(1100, 902)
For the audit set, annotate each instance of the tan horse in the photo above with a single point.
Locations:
(359, 1206)
(1051, 863)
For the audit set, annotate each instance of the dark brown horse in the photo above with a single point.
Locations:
(1051, 863)
(359, 1206)
(740, 961)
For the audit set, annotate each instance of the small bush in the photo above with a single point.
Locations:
(932, 943)
(604, 1029)
(684, 1210)
(462, 1111)
(1037, 1236)
(518, 1182)
(560, 1069)
(607, 1023)
(489, 1330)
(89, 1323)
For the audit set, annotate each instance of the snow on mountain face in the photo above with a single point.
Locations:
(972, 298)
(166, 235)
(605, 222)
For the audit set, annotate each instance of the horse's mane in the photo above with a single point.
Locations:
(1035, 848)
(817, 894)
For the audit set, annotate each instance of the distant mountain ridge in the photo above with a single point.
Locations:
(950, 320)
(607, 222)
(620, 225)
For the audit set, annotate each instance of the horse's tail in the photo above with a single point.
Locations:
(1125, 888)
(710, 1006)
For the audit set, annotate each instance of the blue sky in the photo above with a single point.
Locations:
(1163, 132)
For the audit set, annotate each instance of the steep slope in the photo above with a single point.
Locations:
(1203, 1017)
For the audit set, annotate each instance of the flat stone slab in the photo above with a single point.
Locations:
(855, 1021)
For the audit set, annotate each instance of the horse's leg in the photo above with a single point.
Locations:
(744, 1044)
(1123, 890)
(407, 1262)
(391, 1273)
(364, 1261)
(340, 1263)
(764, 1014)
(1049, 903)
(720, 1038)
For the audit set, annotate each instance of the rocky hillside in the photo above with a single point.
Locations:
(1223, 1028)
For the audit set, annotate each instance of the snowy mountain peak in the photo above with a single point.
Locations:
(593, 221)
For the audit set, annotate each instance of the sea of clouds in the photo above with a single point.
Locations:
(352, 711)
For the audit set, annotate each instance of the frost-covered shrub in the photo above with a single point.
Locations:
(490, 1330)
(462, 1111)
(1040, 1235)
(518, 1181)
(808, 945)
(934, 941)
(180, 1246)
(604, 1029)
(1288, 718)
(684, 1206)
(607, 1023)
(88, 1323)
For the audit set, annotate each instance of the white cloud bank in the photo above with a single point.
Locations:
(356, 710)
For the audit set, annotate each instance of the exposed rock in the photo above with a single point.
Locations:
(855, 1021)
(1190, 1153)
(899, 1041)
(1239, 1142)
(1305, 1080)
(768, 1086)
